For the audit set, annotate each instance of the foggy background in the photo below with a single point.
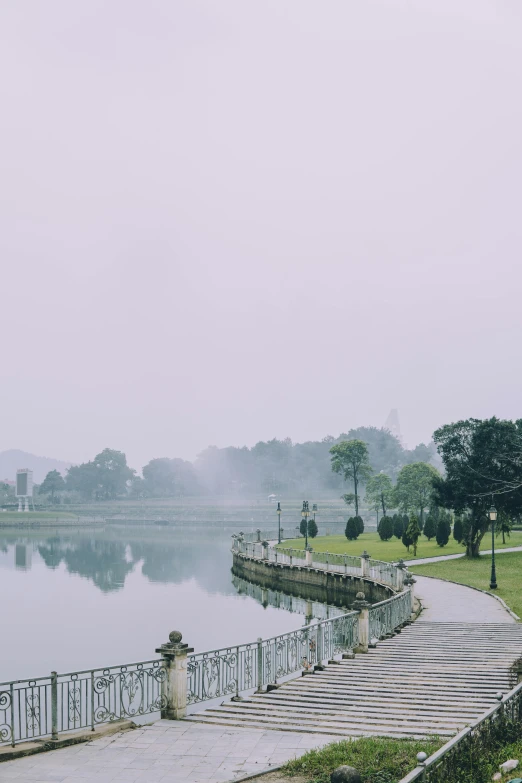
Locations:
(229, 221)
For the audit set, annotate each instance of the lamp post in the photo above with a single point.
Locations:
(305, 511)
(278, 523)
(493, 518)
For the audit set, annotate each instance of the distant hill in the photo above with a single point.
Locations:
(12, 459)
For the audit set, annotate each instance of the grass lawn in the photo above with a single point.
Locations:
(392, 549)
(375, 758)
(380, 760)
(476, 573)
(34, 516)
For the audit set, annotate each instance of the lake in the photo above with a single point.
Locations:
(74, 599)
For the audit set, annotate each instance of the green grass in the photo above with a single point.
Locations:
(377, 759)
(476, 572)
(34, 516)
(389, 550)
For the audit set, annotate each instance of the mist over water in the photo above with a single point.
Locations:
(87, 599)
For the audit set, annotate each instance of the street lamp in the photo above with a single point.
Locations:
(305, 511)
(493, 518)
(279, 523)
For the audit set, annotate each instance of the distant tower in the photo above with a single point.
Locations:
(392, 423)
(24, 487)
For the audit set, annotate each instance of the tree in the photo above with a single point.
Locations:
(405, 538)
(52, 483)
(457, 529)
(398, 527)
(503, 526)
(385, 528)
(414, 488)
(430, 527)
(443, 532)
(312, 528)
(83, 479)
(481, 459)
(379, 492)
(302, 526)
(351, 532)
(113, 473)
(413, 532)
(360, 524)
(350, 459)
(165, 477)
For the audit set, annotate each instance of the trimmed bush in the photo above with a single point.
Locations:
(458, 533)
(352, 530)
(312, 528)
(398, 527)
(385, 529)
(360, 524)
(430, 527)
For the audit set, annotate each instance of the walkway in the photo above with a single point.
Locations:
(436, 676)
(424, 560)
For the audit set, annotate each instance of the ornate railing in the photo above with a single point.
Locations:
(386, 616)
(233, 670)
(377, 570)
(455, 761)
(30, 709)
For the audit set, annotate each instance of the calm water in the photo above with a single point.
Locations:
(76, 600)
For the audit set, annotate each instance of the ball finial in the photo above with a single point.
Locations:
(360, 597)
(175, 637)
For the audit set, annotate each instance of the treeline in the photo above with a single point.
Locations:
(275, 466)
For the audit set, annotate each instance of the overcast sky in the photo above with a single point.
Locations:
(223, 221)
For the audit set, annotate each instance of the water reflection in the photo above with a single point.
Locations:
(312, 610)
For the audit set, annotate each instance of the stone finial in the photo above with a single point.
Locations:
(360, 597)
(408, 579)
(366, 557)
(401, 564)
(175, 637)
(421, 757)
(345, 774)
(360, 601)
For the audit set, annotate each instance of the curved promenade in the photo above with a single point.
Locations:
(435, 677)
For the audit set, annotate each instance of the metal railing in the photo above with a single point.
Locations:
(454, 762)
(30, 709)
(377, 570)
(386, 616)
(233, 670)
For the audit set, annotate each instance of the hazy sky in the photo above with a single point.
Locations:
(223, 221)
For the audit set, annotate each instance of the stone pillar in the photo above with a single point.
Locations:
(308, 556)
(365, 564)
(265, 550)
(174, 688)
(363, 607)
(401, 567)
(409, 582)
(258, 532)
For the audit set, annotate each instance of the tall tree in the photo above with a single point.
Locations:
(414, 488)
(113, 473)
(413, 532)
(52, 483)
(379, 492)
(481, 459)
(350, 459)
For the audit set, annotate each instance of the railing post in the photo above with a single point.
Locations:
(308, 556)
(54, 706)
(400, 567)
(362, 606)
(345, 564)
(259, 665)
(265, 550)
(365, 564)
(258, 534)
(174, 686)
(409, 582)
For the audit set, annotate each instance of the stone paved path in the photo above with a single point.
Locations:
(165, 752)
(448, 602)
(402, 684)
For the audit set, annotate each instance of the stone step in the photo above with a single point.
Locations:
(340, 722)
(392, 704)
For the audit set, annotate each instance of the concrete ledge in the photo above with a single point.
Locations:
(8, 753)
